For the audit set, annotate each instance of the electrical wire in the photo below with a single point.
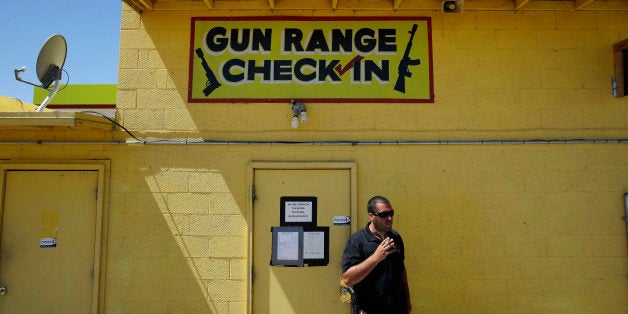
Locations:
(67, 80)
(116, 123)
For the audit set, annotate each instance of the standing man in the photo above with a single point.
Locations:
(373, 263)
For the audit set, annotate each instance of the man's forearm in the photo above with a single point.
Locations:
(358, 272)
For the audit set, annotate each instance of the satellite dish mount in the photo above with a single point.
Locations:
(49, 67)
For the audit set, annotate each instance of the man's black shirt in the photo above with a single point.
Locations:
(381, 292)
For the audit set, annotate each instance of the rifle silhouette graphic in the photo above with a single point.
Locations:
(212, 82)
(406, 61)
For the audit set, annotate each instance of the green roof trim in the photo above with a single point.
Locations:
(80, 94)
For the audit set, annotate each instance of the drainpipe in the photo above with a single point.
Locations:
(626, 211)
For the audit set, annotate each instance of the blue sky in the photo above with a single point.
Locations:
(90, 28)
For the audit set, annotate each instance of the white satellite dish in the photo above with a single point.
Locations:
(49, 66)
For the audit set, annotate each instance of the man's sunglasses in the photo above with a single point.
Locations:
(384, 214)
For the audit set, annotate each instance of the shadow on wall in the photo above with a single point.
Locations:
(177, 237)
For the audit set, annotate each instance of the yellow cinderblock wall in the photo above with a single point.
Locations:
(497, 74)
(488, 228)
(493, 228)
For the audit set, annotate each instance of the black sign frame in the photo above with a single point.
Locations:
(284, 212)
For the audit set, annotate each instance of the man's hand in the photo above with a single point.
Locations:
(385, 248)
(358, 272)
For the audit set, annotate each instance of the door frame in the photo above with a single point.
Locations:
(292, 165)
(103, 168)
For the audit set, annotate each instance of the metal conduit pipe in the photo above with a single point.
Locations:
(626, 211)
(322, 143)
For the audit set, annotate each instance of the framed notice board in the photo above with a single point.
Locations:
(295, 246)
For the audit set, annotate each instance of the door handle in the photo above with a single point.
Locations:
(3, 290)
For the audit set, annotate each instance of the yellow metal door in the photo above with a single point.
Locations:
(302, 290)
(47, 245)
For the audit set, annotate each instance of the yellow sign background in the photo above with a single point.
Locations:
(352, 85)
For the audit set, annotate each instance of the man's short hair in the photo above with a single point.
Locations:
(370, 207)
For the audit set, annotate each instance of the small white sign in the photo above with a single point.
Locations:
(288, 246)
(47, 242)
(298, 211)
(342, 220)
(313, 245)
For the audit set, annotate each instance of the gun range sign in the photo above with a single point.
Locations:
(315, 59)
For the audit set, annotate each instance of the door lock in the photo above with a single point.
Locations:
(3, 290)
